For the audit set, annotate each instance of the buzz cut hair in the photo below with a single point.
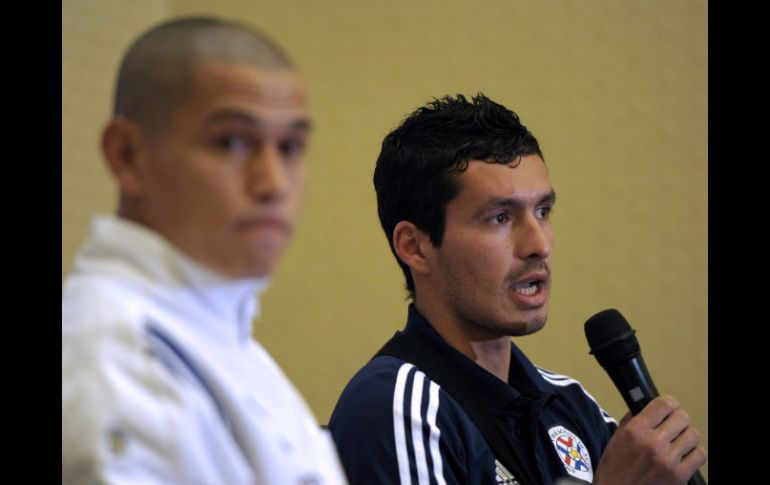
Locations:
(156, 73)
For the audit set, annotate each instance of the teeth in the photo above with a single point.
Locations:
(527, 289)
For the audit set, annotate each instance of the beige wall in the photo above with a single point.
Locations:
(616, 92)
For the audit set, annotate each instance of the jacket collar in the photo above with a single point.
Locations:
(129, 250)
(525, 386)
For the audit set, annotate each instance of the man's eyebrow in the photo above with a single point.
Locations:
(549, 198)
(512, 202)
(300, 124)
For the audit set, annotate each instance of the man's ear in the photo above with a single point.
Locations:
(411, 245)
(121, 143)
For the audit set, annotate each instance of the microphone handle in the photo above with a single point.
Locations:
(634, 383)
(697, 479)
(636, 386)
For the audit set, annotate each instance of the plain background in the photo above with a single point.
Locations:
(616, 93)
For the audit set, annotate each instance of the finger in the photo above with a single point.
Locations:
(695, 458)
(657, 410)
(691, 463)
(673, 426)
(685, 443)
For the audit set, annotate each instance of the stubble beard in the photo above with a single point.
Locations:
(490, 323)
(515, 328)
(478, 318)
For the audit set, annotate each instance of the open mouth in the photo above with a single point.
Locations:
(527, 288)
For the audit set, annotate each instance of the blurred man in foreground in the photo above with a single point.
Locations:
(161, 380)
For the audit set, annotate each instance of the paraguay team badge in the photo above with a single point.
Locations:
(572, 453)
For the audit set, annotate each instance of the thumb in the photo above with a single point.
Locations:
(625, 419)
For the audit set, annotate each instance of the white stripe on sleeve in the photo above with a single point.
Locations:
(419, 445)
(563, 381)
(435, 434)
(398, 424)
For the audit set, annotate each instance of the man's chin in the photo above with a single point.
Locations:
(527, 326)
(252, 265)
(261, 258)
(259, 269)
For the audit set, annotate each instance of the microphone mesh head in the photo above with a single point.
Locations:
(611, 338)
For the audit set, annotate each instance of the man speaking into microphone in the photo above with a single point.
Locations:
(464, 197)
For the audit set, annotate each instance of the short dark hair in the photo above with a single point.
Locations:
(416, 173)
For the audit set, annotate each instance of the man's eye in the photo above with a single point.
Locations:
(500, 218)
(544, 212)
(291, 148)
(232, 143)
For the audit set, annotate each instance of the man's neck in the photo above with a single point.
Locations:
(493, 356)
(489, 351)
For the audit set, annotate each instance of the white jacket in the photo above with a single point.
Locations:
(161, 381)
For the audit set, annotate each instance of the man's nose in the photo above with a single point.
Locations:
(533, 238)
(267, 177)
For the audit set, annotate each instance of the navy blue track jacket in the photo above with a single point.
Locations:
(394, 425)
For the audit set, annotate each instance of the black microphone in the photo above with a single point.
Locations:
(613, 343)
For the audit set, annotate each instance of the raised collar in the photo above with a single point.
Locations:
(121, 247)
(525, 384)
